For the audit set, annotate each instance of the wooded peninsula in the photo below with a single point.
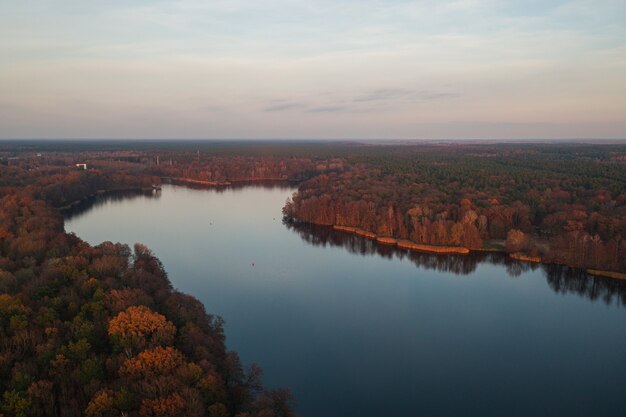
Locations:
(99, 330)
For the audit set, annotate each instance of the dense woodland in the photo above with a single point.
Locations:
(99, 331)
(563, 204)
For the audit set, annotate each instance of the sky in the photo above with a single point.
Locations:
(314, 69)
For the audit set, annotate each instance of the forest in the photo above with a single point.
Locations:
(550, 203)
(99, 330)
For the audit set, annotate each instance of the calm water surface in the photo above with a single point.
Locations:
(358, 330)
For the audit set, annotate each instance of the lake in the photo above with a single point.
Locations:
(355, 329)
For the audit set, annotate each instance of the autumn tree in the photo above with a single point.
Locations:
(139, 327)
(516, 241)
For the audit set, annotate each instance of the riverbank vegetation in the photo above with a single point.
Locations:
(556, 204)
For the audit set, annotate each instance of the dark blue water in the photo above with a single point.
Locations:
(359, 330)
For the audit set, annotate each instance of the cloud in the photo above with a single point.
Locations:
(285, 106)
(327, 109)
(382, 99)
(402, 94)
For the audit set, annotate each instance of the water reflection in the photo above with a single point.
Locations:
(129, 195)
(468, 340)
(107, 198)
(235, 186)
(561, 279)
(576, 281)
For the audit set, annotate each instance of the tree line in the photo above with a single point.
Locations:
(566, 207)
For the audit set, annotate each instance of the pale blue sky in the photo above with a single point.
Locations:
(312, 69)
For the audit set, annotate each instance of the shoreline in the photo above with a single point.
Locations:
(384, 240)
(174, 180)
(403, 243)
(103, 192)
(526, 258)
(607, 274)
(459, 250)
(205, 183)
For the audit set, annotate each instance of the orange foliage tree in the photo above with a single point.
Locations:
(171, 406)
(152, 362)
(139, 327)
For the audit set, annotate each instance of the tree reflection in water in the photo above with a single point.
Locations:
(107, 198)
(129, 195)
(560, 278)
